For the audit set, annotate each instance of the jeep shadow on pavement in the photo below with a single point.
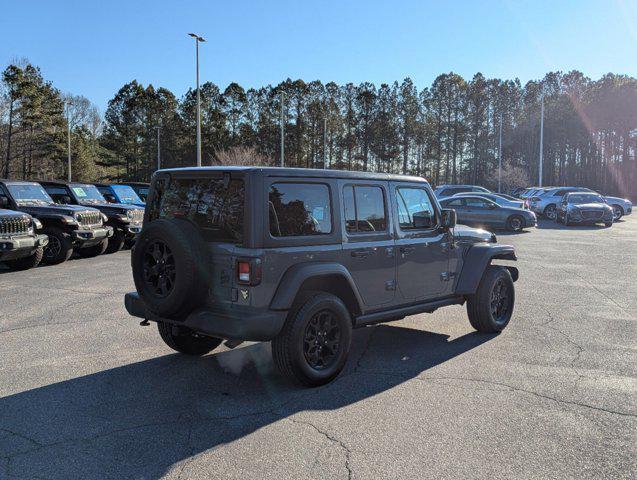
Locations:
(69, 228)
(21, 246)
(125, 220)
(301, 257)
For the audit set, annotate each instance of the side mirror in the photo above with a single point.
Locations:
(422, 220)
(4, 201)
(449, 218)
(492, 206)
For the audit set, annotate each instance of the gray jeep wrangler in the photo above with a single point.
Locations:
(301, 257)
(21, 246)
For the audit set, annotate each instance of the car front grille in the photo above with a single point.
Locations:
(592, 214)
(15, 225)
(89, 219)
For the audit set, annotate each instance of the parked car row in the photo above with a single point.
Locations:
(476, 205)
(48, 221)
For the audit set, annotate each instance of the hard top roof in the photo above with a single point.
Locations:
(299, 172)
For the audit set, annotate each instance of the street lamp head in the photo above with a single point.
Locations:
(194, 35)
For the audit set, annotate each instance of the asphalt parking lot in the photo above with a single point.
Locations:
(85, 392)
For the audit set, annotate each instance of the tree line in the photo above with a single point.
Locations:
(448, 132)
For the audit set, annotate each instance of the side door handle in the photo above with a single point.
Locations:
(361, 253)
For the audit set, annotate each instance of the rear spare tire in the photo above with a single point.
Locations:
(171, 267)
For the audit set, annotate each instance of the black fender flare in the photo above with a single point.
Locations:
(294, 277)
(476, 261)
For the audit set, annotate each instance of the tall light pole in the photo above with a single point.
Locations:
(158, 128)
(541, 142)
(68, 138)
(500, 156)
(324, 142)
(282, 129)
(197, 40)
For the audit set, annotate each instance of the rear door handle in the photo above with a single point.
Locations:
(361, 253)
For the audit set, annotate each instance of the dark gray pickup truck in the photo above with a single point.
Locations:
(301, 257)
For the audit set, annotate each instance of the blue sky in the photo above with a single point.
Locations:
(93, 47)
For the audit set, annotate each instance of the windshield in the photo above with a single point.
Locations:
(29, 194)
(585, 198)
(87, 194)
(126, 194)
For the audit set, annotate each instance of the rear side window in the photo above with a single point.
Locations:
(454, 203)
(209, 203)
(299, 209)
(364, 208)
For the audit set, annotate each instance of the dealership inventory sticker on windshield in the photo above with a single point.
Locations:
(79, 191)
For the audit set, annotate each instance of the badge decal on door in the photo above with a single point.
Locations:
(244, 294)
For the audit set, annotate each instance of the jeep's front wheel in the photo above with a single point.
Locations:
(313, 345)
(184, 340)
(60, 247)
(93, 251)
(116, 242)
(491, 307)
(26, 263)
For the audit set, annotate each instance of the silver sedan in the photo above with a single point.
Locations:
(475, 210)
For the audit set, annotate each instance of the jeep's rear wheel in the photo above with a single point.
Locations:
(94, 250)
(60, 247)
(26, 263)
(313, 346)
(171, 267)
(491, 307)
(184, 340)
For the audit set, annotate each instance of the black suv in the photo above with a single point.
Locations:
(69, 228)
(21, 247)
(300, 257)
(126, 220)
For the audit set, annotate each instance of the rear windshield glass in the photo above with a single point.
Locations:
(214, 207)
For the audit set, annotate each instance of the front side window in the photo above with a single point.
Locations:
(299, 209)
(211, 204)
(364, 209)
(415, 210)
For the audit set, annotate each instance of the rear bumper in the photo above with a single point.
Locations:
(238, 323)
(13, 248)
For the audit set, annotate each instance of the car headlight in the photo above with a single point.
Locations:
(69, 220)
(37, 224)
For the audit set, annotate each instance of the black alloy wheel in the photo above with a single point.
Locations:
(500, 301)
(321, 340)
(53, 248)
(159, 268)
(550, 212)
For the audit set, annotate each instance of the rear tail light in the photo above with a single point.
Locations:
(244, 272)
(249, 271)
